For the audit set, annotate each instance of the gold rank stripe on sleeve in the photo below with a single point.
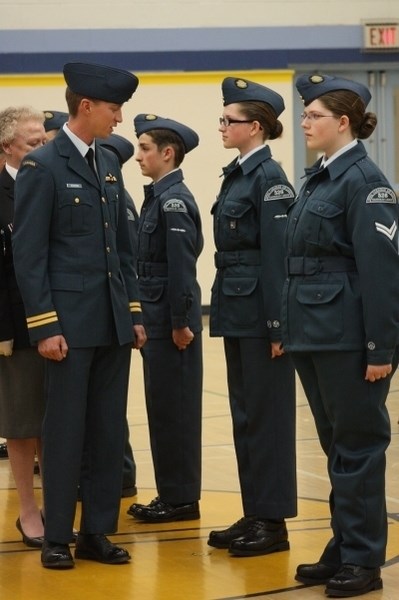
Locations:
(43, 319)
(135, 306)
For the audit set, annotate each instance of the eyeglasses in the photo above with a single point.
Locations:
(314, 116)
(225, 121)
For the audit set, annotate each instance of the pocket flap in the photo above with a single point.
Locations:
(151, 293)
(325, 209)
(235, 210)
(72, 282)
(313, 293)
(149, 226)
(239, 286)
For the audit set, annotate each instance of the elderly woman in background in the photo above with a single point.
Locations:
(21, 366)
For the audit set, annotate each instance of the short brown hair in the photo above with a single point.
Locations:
(167, 137)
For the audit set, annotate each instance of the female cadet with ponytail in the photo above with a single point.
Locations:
(249, 223)
(340, 322)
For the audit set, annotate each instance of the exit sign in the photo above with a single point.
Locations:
(381, 35)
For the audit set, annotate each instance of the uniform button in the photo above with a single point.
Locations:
(77, 200)
(109, 274)
(106, 224)
(103, 199)
(319, 295)
(108, 249)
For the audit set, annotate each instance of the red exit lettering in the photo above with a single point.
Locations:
(383, 37)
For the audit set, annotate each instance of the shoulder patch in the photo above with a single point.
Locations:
(381, 195)
(174, 205)
(279, 192)
(130, 215)
(28, 163)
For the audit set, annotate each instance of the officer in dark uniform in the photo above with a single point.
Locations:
(170, 241)
(249, 222)
(74, 264)
(341, 323)
(124, 150)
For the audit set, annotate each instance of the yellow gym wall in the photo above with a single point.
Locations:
(192, 98)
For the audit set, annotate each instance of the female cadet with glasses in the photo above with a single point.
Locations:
(249, 224)
(341, 324)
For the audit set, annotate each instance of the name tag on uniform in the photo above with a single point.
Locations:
(74, 185)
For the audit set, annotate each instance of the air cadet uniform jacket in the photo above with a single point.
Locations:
(170, 241)
(342, 244)
(341, 313)
(249, 213)
(249, 223)
(87, 289)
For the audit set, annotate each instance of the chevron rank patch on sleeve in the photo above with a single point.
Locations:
(390, 232)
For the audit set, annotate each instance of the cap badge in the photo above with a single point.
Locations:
(316, 79)
(151, 117)
(241, 84)
(48, 115)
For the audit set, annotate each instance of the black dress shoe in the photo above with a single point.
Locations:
(223, 538)
(162, 512)
(31, 542)
(262, 537)
(98, 547)
(315, 574)
(3, 450)
(352, 580)
(56, 556)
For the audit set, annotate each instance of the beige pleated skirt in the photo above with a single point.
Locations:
(21, 394)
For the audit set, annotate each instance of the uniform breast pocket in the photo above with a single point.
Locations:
(238, 221)
(147, 239)
(76, 212)
(323, 219)
(112, 195)
(322, 310)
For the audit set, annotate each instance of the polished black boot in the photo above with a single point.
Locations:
(262, 537)
(352, 580)
(315, 573)
(223, 538)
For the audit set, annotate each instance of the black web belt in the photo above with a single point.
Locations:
(307, 265)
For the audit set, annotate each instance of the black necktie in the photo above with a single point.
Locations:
(90, 160)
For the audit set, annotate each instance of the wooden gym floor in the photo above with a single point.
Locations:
(173, 561)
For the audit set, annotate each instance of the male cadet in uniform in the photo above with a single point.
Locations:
(74, 263)
(170, 241)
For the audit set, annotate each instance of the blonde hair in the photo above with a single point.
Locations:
(12, 116)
